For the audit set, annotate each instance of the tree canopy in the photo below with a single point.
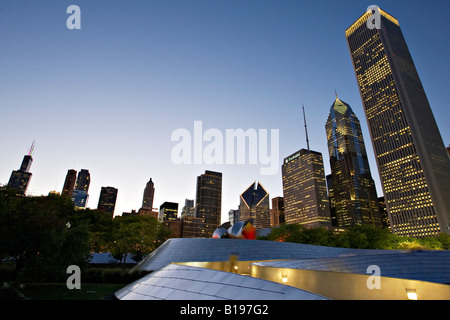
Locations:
(44, 235)
(360, 237)
(136, 235)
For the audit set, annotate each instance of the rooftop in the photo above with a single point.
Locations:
(432, 266)
(206, 249)
(204, 268)
(180, 282)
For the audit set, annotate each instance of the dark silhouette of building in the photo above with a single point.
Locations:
(148, 212)
(277, 212)
(80, 194)
(107, 200)
(83, 180)
(149, 192)
(20, 179)
(132, 213)
(383, 212)
(69, 183)
(329, 180)
(355, 199)
(411, 158)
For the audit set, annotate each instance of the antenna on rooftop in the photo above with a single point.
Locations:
(306, 128)
(30, 153)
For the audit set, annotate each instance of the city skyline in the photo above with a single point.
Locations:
(241, 67)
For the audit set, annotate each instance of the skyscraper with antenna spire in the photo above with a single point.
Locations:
(304, 188)
(20, 179)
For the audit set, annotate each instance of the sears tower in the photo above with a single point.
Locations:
(20, 179)
(412, 162)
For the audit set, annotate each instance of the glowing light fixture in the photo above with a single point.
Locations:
(411, 294)
(284, 278)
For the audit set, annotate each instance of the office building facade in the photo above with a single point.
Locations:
(69, 183)
(19, 181)
(304, 190)
(168, 211)
(107, 200)
(413, 166)
(188, 209)
(83, 180)
(208, 201)
(193, 227)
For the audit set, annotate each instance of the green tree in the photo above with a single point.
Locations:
(288, 233)
(444, 240)
(41, 235)
(99, 225)
(375, 237)
(135, 235)
(361, 236)
(432, 243)
(352, 238)
(358, 237)
(318, 236)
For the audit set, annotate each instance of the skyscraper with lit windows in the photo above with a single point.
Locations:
(304, 190)
(354, 195)
(413, 165)
(107, 200)
(168, 211)
(208, 200)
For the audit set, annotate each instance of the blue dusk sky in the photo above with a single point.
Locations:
(108, 97)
